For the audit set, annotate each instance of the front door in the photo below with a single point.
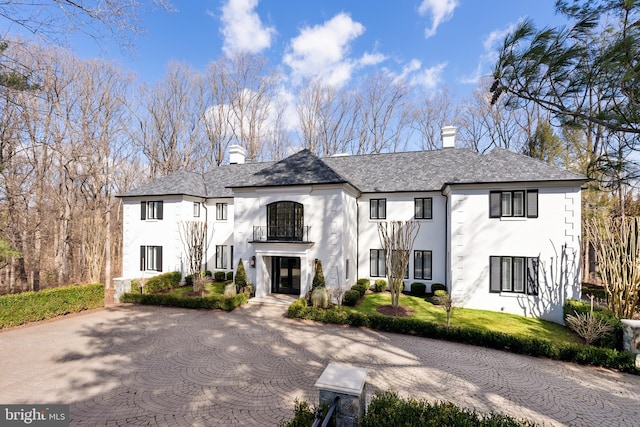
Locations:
(286, 275)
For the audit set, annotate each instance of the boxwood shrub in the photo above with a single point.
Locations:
(18, 309)
(437, 286)
(351, 297)
(380, 285)
(219, 276)
(418, 289)
(586, 355)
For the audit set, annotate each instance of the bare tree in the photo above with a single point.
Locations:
(397, 238)
(431, 114)
(327, 118)
(384, 116)
(169, 129)
(617, 242)
(54, 20)
(193, 235)
(249, 88)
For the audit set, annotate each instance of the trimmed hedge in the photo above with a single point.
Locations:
(387, 409)
(219, 276)
(18, 309)
(162, 282)
(609, 358)
(615, 339)
(208, 302)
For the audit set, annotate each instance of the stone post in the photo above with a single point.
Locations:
(348, 383)
(120, 286)
(631, 337)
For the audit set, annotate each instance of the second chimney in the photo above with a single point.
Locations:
(236, 154)
(448, 135)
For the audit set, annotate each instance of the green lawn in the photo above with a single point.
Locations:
(478, 319)
(215, 288)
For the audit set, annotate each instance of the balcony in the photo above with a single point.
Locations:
(264, 234)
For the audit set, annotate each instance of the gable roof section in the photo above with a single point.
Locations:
(302, 168)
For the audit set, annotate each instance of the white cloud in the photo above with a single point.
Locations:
(429, 78)
(439, 10)
(242, 30)
(491, 45)
(414, 75)
(322, 51)
(371, 59)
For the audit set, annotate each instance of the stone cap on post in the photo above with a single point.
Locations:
(342, 379)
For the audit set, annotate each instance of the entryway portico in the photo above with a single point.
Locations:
(283, 268)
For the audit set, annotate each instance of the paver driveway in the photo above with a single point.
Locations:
(136, 365)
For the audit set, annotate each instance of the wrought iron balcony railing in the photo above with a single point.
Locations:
(263, 233)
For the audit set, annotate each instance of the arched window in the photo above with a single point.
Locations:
(285, 221)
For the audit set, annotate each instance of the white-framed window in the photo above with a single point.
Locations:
(423, 208)
(196, 210)
(222, 257)
(221, 211)
(151, 210)
(422, 265)
(517, 203)
(151, 258)
(378, 208)
(376, 263)
(514, 274)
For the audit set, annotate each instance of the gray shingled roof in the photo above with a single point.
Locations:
(432, 170)
(180, 182)
(302, 168)
(392, 172)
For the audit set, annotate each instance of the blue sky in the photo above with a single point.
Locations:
(431, 42)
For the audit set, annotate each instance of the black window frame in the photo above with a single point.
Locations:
(222, 211)
(196, 209)
(529, 276)
(285, 221)
(529, 204)
(147, 212)
(221, 257)
(422, 254)
(145, 259)
(378, 209)
(423, 202)
(374, 267)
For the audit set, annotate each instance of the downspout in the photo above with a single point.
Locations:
(447, 241)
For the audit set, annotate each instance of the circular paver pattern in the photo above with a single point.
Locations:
(137, 365)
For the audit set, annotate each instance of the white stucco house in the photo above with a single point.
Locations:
(501, 230)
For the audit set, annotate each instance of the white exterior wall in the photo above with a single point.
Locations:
(553, 237)
(220, 232)
(327, 211)
(151, 232)
(401, 207)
